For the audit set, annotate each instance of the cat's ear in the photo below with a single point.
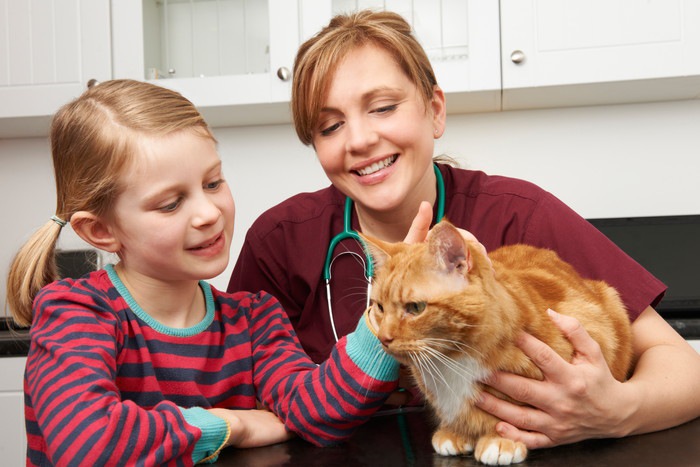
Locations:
(448, 247)
(378, 250)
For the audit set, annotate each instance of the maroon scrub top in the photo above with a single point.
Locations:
(285, 250)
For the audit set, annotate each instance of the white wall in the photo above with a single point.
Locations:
(606, 161)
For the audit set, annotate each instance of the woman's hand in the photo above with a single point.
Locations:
(576, 400)
(253, 428)
(418, 232)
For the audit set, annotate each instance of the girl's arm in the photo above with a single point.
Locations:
(73, 404)
(323, 404)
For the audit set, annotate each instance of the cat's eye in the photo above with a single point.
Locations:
(415, 308)
(379, 307)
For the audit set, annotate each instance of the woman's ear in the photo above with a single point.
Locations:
(439, 108)
(95, 231)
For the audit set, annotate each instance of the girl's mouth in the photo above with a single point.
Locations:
(207, 245)
(377, 166)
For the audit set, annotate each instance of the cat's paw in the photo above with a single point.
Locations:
(494, 450)
(447, 443)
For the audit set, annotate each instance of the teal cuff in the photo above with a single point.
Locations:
(214, 431)
(367, 352)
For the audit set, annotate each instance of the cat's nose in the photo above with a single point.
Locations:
(385, 338)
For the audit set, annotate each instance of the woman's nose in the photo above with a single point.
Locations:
(361, 135)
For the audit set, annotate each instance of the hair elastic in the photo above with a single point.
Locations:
(59, 221)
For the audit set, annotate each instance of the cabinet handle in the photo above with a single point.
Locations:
(517, 57)
(283, 73)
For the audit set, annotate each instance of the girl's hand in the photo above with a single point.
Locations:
(253, 428)
(574, 401)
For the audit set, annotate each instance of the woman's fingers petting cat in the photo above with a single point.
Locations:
(584, 345)
(421, 224)
(532, 439)
(520, 423)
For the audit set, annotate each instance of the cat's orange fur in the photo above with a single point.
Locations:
(474, 309)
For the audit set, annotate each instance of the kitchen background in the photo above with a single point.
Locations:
(595, 101)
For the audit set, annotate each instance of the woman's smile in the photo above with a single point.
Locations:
(377, 166)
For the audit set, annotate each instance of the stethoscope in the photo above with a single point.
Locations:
(349, 233)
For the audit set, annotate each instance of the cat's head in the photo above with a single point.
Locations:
(430, 294)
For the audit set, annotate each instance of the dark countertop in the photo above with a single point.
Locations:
(14, 341)
(404, 440)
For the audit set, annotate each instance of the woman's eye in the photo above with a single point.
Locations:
(415, 308)
(330, 129)
(385, 109)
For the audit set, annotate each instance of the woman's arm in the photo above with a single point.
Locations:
(581, 400)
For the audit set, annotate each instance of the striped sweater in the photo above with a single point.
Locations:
(105, 384)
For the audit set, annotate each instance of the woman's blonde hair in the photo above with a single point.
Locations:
(319, 56)
(93, 139)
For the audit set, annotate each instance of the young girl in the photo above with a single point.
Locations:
(142, 362)
(364, 95)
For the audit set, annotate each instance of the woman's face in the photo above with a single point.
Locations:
(375, 136)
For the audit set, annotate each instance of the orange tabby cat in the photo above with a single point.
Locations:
(452, 317)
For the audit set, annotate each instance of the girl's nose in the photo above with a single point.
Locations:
(207, 211)
(361, 135)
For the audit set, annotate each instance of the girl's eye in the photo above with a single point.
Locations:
(214, 185)
(170, 207)
(415, 308)
(328, 130)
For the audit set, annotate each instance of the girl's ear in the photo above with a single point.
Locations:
(439, 109)
(95, 231)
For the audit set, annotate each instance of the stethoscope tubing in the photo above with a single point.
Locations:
(349, 233)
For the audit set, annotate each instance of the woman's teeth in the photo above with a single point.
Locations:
(377, 166)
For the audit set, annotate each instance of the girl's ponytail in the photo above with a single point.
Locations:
(33, 267)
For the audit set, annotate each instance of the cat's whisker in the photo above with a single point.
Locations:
(452, 344)
(423, 369)
(451, 363)
(435, 370)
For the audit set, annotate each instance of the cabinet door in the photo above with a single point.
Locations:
(13, 438)
(607, 50)
(48, 52)
(231, 58)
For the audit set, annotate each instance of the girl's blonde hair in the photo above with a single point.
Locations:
(319, 56)
(93, 139)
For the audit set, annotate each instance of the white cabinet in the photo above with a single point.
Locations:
(460, 36)
(48, 52)
(197, 46)
(233, 58)
(13, 440)
(584, 52)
